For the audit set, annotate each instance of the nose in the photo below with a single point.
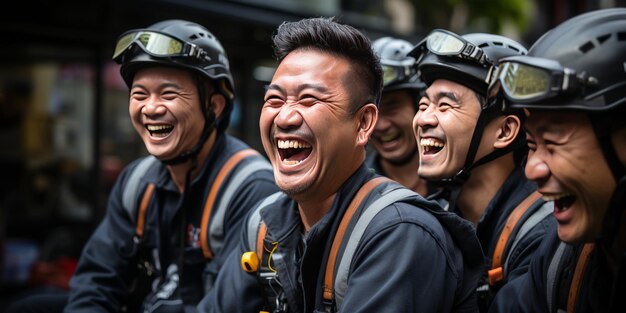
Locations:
(288, 117)
(536, 168)
(152, 107)
(425, 118)
(382, 124)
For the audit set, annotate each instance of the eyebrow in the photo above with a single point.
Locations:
(444, 94)
(166, 85)
(315, 87)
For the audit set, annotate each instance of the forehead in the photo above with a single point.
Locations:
(396, 96)
(447, 88)
(164, 73)
(553, 121)
(311, 65)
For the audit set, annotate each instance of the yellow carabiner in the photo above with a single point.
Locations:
(250, 262)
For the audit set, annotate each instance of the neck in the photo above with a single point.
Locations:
(406, 174)
(312, 211)
(178, 172)
(482, 186)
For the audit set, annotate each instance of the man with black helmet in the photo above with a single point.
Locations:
(339, 238)
(172, 217)
(572, 85)
(474, 150)
(394, 151)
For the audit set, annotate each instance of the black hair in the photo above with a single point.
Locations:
(329, 36)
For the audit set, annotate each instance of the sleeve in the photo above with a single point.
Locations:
(253, 190)
(104, 271)
(234, 289)
(402, 267)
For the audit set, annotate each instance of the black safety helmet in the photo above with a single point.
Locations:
(465, 71)
(591, 47)
(473, 66)
(186, 45)
(399, 71)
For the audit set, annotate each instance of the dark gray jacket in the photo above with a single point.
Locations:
(108, 264)
(413, 257)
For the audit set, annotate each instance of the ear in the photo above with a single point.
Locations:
(507, 132)
(217, 104)
(367, 116)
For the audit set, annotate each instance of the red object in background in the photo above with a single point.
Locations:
(56, 273)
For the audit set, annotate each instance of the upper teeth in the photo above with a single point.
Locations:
(555, 197)
(157, 127)
(286, 144)
(431, 143)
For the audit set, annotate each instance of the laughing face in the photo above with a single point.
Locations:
(393, 136)
(567, 163)
(307, 131)
(443, 127)
(165, 112)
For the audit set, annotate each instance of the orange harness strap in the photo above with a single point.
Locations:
(221, 175)
(579, 273)
(496, 273)
(143, 208)
(259, 240)
(345, 220)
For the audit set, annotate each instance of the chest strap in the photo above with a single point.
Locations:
(496, 273)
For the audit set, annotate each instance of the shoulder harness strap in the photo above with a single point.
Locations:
(496, 273)
(579, 274)
(214, 232)
(131, 193)
(545, 210)
(343, 225)
(341, 275)
(553, 269)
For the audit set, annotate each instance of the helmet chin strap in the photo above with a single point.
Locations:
(455, 183)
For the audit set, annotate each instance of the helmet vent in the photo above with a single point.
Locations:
(621, 36)
(586, 47)
(497, 43)
(602, 39)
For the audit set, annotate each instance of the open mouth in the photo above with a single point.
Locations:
(160, 130)
(293, 152)
(562, 202)
(388, 137)
(431, 145)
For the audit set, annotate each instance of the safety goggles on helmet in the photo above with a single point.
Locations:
(395, 74)
(446, 43)
(525, 79)
(157, 44)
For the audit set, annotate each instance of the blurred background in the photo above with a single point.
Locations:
(64, 127)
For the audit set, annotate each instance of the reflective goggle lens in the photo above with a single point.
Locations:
(445, 44)
(390, 74)
(522, 82)
(154, 43)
